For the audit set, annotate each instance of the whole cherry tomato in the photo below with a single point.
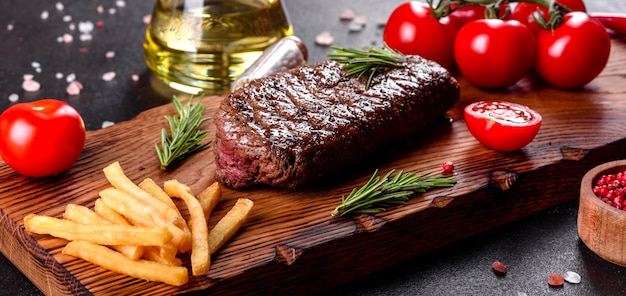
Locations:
(574, 53)
(468, 13)
(472, 12)
(502, 126)
(523, 11)
(494, 53)
(41, 138)
(413, 30)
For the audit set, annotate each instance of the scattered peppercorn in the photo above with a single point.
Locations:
(611, 188)
(556, 280)
(448, 167)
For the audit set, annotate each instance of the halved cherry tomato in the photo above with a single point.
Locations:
(502, 126)
(494, 53)
(413, 30)
(574, 53)
(41, 138)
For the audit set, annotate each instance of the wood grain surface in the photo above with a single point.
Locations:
(291, 244)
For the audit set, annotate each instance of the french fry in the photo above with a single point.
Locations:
(119, 180)
(209, 197)
(116, 262)
(229, 224)
(162, 255)
(108, 213)
(153, 189)
(148, 185)
(83, 215)
(139, 213)
(104, 234)
(200, 253)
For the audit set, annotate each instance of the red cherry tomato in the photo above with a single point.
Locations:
(573, 54)
(468, 13)
(524, 11)
(413, 30)
(494, 53)
(41, 138)
(502, 126)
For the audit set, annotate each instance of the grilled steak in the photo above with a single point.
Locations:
(290, 128)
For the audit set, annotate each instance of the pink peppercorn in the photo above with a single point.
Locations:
(611, 188)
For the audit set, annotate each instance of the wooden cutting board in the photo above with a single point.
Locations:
(291, 244)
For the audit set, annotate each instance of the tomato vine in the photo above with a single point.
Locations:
(493, 9)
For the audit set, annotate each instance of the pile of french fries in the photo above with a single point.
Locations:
(138, 230)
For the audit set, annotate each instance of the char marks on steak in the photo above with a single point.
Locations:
(293, 127)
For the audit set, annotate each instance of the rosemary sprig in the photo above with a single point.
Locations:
(378, 193)
(361, 62)
(185, 134)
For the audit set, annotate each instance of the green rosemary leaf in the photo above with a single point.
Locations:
(185, 136)
(381, 193)
(366, 62)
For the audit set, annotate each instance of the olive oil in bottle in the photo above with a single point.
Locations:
(203, 45)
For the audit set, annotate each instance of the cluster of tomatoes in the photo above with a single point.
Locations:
(498, 52)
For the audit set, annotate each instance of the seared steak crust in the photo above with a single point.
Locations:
(293, 127)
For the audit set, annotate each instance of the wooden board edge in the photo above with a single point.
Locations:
(34, 261)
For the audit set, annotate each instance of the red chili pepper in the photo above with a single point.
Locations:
(616, 22)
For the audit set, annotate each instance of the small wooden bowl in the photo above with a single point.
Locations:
(600, 226)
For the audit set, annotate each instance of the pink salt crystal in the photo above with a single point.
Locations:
(85, 37)
(74, 88)
(324, 38)
(347, 15)
(100, 9)
(31, 85)
(27, 77)
(108, 76)
(67, 38)
(135, 77)
(100, 24)
(355, 27)
(10, 27)
(83, 50)
(107, 123)
(13, 98)
(362, 20)
(110, 54)
(147, 19)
